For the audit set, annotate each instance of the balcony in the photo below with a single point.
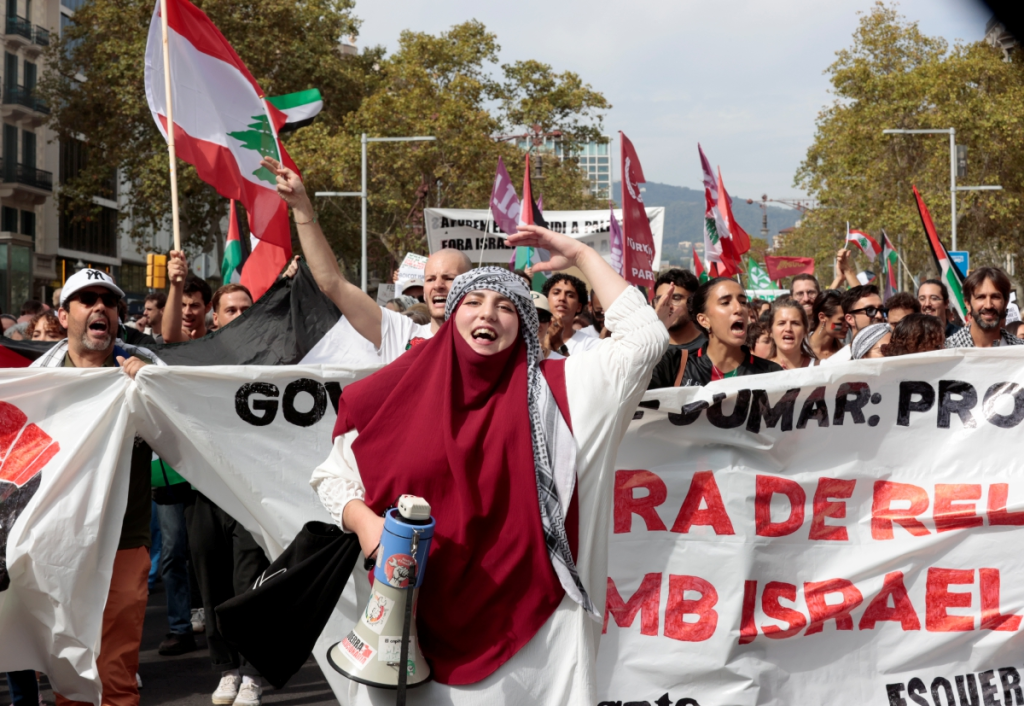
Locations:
(22, 105)
(42, 37)
(17, 32)
(25, 182)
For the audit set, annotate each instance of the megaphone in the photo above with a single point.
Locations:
(384, 639)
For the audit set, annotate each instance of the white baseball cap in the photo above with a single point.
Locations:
(540, 301)
(87, 278)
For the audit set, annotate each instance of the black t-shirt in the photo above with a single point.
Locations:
(667, 369)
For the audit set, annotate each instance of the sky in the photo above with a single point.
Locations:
(742, 77)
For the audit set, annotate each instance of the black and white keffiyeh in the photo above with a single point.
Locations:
(542, 431)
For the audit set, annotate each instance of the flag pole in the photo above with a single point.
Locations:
(170, 127)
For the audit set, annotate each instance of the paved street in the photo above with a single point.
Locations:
(188, 681)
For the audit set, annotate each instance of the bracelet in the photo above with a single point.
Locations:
(306, 223)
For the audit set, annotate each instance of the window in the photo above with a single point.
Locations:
(132, 278)
(28, 149)
(73, 157)
(30, 76)
(28, 224)
(10, 71)
(9, 219)
(92, 233)
(72, 4)
(602, 170)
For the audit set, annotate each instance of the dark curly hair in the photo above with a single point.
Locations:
(916, 333)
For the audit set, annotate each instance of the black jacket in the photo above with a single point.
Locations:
(698, 367)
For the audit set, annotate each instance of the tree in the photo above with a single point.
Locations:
(442, 85)
(287, 45)
(893, 76)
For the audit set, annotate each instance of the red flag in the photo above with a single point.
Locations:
(738, 239)
(639, 241)
(698, 268)
(781, 266)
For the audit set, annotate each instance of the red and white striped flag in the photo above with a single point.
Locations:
(222, 124)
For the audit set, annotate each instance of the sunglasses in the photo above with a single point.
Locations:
(871, 311)
(88, 299)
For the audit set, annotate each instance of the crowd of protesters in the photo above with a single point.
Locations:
(203, 557)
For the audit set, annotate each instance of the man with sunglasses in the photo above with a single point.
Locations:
(88, 310)
(862, 306)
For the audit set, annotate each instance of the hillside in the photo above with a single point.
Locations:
(684, 214)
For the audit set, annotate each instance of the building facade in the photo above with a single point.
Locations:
(26, 161)
(594, 158)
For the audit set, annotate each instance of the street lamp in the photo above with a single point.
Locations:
(953, 188)
(362, 194)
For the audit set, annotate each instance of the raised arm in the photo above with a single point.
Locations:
(170, 326)
(357, 306)
(567, 252)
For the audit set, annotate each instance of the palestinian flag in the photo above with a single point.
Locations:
(222, 125)
(299, 108)
(293, 323)
(757, 278)
(890, 267)
(948, 272)
(698, 268)
(863, 242)
(231, 265)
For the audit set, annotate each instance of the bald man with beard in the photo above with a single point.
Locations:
(390, 333)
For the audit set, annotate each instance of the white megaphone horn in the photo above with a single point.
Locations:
(384, 639)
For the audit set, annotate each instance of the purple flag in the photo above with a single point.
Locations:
(615, 244)
(504, 201)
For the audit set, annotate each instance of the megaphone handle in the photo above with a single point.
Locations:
(403, 661)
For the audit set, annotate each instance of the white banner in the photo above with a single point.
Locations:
(66, 443)
(474, 232)
(844, 535)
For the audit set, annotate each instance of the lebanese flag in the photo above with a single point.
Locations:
(781, 266)
(863, 242)
(638, 240)
(949, 273)
(715, 228)
(222, 124)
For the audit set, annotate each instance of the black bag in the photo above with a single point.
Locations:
(171, 493)
(276, 623)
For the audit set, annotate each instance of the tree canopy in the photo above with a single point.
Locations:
(449, 86)
(894, 76)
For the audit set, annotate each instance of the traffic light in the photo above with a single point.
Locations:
(156, 271)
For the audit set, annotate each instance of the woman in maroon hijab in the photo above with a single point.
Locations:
(515, 457)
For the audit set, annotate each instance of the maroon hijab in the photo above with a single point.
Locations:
(451, 425)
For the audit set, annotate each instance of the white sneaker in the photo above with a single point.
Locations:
(227, 690)
(251, 694)
(198, 620)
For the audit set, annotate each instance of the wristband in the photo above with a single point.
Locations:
(306, 223)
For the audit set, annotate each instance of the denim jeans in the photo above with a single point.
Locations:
(174, 566)
(154, 547)
(24, 688)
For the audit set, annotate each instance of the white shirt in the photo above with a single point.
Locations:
(840, 356)
(399, 333)
(604, 386)
(581, 341)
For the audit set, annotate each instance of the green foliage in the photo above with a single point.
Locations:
(448, 86)
(893, 76)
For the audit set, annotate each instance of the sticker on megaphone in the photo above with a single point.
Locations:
(398, 569)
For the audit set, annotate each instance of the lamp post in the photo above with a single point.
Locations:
(953, 188)
(362, 194)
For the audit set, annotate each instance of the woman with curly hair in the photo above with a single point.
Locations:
(916, 333)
